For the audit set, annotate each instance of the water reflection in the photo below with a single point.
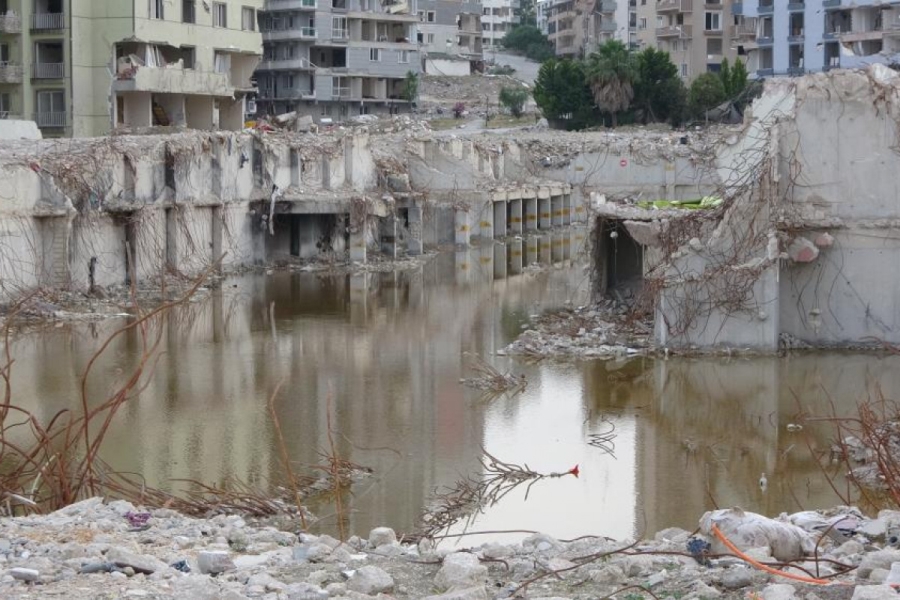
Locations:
(386, 352)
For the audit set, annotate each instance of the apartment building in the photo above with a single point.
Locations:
(337, 58)
(83, 67)
(818, 35)
(449, 36)
(497, 17)
(577, 27)
(542, 10)
(697, 35)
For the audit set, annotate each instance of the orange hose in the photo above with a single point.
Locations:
(766, 568)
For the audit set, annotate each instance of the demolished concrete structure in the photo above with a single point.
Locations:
(801, 251)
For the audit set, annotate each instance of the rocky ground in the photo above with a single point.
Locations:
(603, 330)
(115, 550)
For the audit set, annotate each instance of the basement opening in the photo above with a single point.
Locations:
(622, 259)
(305, 236)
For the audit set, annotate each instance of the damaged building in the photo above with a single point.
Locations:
(83, 67)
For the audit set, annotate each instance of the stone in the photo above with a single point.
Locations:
(824, 240)
(848, 548)
(382, 535)
(874, 592)
(701, 590)
(213, 562)
(876, 529)
(495, 550)
(267, 582)
(460, 569)
(469, 593)
(736, 578)
(370, 580)
(318, 552)
(802, 250)
(610, 574)
(23, 574)
(336, 589)
(5, 545)
(879, 575)
(880, 559)
(139, 562)
(340, 555)
(779, 591)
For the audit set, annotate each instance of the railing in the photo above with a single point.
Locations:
(49, 71)
(272, 64)
(607, 25)
(746, 28)
(765, 9)
(50, 119)
(607, 6)
(6, 115)
(10, 73)
(795, 5)
(339, 34)
(340, 92)
(10, 23)
(48, 21)
(831, 3)
(682, 31)
(292, 4)
(674, 5)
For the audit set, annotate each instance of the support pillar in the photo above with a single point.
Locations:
(531, 214)
(567, 246)
(358, 243)
(499, 261)
(556, 204)
(532, 249)
(544, 249)
(545, 214)
(462, 262)
(463, 228)
(500, 219)
(556, 245)
(515, 219)
(515, 257)
(486, 262)
(414, 246)
(567, 209)
(388, 228)
(486, 222)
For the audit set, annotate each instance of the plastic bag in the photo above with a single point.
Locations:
(748, 530)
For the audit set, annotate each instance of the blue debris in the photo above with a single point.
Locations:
(699, 549)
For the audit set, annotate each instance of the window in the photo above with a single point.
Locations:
(486, 11)
(156, 9)
(188, 11)
(51, 107)
(403, 57)
(714, 46)
(643, 24)
(4, 53)
(684, 71)
(430, 16)
(222, 62)
(289, 82)
(713, 21)
(248, 19)
(421, 15)
(5, 105)
(485, 26)
(660, 21)
(188, 55)
(430, 38)
(375, 54)
(220, 14)
(339, 27)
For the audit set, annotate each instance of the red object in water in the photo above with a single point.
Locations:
(574, 471)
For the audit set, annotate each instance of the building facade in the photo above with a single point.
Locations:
(576, 28)
(818, 35)
(334, 59)
(449, 36)
(83, 67)
(498, 17)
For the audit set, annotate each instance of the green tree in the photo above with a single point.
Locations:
(562, 93)
(659, 94)
(738, 78)
(612, 71)
(706, 92)
(725, 76)
(513, 98)
(519, 38)
(410, 87)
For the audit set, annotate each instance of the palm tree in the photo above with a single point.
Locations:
(612, 71)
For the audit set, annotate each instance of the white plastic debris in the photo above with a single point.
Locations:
(748, 530)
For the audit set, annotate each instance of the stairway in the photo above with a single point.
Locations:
(160, 117)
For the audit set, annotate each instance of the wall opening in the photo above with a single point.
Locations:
(619, 262)
(130, 249)
(171, 239)
(299, 236)
(170, 170)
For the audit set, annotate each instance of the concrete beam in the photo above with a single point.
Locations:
(414, 246)
(516, 224)
(500, 219)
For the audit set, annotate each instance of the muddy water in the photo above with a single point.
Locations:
(387, 350)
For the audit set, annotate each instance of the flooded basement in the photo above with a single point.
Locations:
(387, 351)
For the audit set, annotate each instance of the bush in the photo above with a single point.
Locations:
(523, 36)
(562, 93)
(540, 52)
(513, 99)
(706, 92)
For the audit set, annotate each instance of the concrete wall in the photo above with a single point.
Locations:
(11, 129)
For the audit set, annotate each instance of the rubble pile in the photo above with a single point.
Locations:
(602, 330)
(476, 92)
(115, 550)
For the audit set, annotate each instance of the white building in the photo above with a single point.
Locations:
(497, 17)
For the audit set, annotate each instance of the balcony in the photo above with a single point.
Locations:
(769, 72)
(606, 6)
(674, 31)
(747, 28)
(666, 6)
(340, 92)
(340, 35)
(831, 3)
(291, 5)
(796, 6)
(766, 9)
(48, 71)
(174, 81)
(861, 36)
(48, 21)
(304, 33)
(10, 73)
(286, 64)
(51, 119)
(607, 26)
(10, 23)
(288, 94)
(737, 7)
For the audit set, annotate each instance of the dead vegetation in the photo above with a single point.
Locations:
(491, 380)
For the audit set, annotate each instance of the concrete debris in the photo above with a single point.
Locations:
(802, 250)
(53, 551)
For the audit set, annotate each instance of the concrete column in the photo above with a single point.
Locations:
(486, 222)
(499, 261)
(515, 257)
(544, 249)
(532, 249)
(516, 223)
(486, 262)
(556, 245)
(463, 228)
(545, 216)
(556, 204)
(567, 209)
(500, 219)
(414, 244)
(462, 262)
(579, 213)
(531, 214)
(388, 230)
(567, 246)
(358, 243)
